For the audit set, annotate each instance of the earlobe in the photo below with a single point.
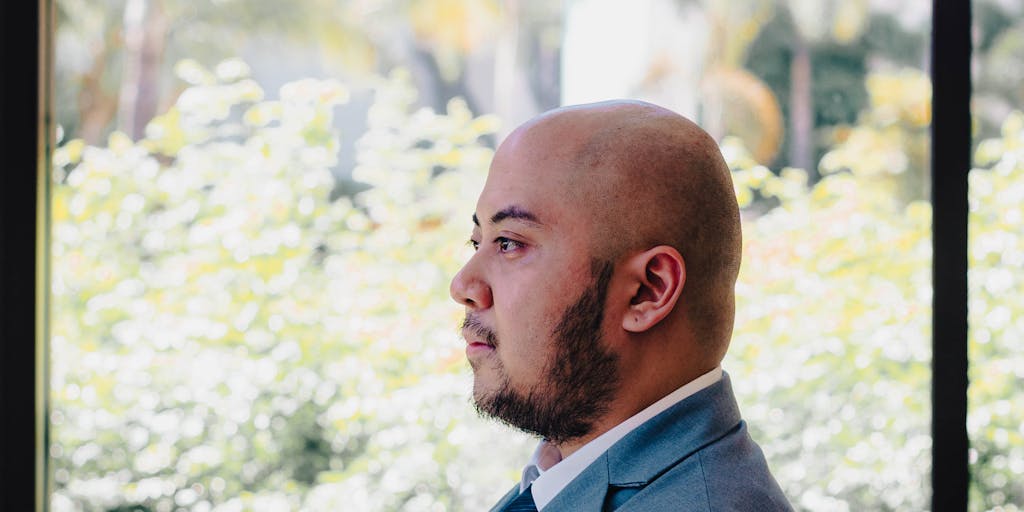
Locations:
(659, 275)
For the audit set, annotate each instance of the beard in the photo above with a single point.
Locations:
(578, 381)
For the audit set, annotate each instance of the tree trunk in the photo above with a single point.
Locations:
(145, 31)
(801, 108)
(96, 108)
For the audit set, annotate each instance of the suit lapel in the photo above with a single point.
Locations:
(587, 491)
(653, 448)
(506, 499)
(675, 434)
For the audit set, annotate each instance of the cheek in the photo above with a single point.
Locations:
(529, 304)
(524, 331)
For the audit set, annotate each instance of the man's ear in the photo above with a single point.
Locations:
(658, 275)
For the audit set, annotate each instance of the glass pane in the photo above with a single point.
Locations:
(832, 341)
(995, 421)
(258, 207)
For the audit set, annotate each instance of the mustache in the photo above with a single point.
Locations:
(476, 327)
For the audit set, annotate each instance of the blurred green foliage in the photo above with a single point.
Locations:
(995, 422)
(832, 340)
(228, 336)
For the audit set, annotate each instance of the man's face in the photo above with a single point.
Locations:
(535, 300)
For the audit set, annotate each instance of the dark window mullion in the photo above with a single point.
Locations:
(950, 160)
(25, 30)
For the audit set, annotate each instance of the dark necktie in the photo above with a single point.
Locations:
(523, 503)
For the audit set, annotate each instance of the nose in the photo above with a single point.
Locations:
(469, 288)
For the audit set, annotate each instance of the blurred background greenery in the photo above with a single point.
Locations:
(258, 206)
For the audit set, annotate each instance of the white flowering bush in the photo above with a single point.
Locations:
(227, 335)
(833, 336)
(995, 422)
(832, 344)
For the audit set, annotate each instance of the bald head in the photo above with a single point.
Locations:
(646, 176)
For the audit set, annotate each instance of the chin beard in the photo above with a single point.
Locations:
(541, 414)
(578, 382)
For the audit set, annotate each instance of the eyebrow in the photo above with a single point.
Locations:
(511, 212)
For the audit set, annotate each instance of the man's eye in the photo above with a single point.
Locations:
(507, 245)
(473, 243)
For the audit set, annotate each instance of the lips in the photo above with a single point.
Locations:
(472, 342)
(480, 341)
(476, 349)
(472, 339)
(475, 332)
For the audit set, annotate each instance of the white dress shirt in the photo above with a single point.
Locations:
(549, 473)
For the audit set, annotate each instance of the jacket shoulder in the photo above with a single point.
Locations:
(737, 475)
(730, 474)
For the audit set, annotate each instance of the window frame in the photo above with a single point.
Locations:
(24, 208)
(24, 105)
(950, 165)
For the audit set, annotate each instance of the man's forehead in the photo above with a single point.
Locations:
(531, 195)
(524, 190)
(538, 171)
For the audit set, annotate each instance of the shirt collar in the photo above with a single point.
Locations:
(548, 473)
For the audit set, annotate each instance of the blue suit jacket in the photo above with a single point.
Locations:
(696, 455)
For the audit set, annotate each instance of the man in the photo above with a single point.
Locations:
(599, 305)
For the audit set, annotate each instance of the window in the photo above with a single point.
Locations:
(994, 421)
(249, 265)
